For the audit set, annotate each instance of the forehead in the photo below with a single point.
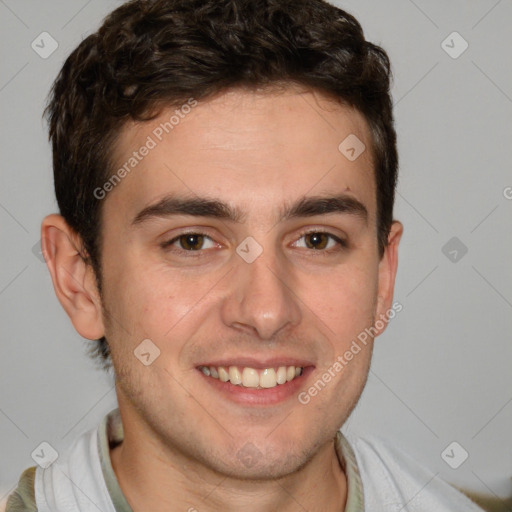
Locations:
(249, 148)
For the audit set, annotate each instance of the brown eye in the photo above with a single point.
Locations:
(322, 242)
(191, 242)
(317, 240)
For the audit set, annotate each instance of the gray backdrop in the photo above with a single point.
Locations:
(441, 372)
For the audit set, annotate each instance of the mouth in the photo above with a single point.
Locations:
(252, 383)
(248, 377)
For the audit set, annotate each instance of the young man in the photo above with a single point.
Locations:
(225, 173)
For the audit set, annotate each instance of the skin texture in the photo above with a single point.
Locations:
(258, 152)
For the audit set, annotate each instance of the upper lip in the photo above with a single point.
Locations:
(259, 363)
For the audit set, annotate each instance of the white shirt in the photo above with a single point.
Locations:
(379, 479)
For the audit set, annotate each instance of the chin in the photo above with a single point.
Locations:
(253, 463)
(264, 469)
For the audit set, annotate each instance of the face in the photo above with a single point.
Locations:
(244, 241)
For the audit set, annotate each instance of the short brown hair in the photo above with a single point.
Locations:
(149, 54)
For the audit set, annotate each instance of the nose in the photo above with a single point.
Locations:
(261, 299)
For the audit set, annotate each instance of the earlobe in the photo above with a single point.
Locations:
(387, 274)
(73, 278)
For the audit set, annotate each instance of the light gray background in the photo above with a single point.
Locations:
(442, 370)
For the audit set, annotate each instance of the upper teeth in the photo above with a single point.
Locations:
(252, 378)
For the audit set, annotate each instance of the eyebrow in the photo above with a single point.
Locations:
(205, 207)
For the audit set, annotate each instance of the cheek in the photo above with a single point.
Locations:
(155, 302)
(346, 300)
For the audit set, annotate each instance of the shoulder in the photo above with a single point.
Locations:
(392, 480)
(23, 497)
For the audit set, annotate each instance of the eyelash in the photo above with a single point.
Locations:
(342, 244)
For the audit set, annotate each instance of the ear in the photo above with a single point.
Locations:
(387, 273)
(73, 278)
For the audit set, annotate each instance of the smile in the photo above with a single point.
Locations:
(253, 378)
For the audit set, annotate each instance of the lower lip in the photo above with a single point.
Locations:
(264, 396)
